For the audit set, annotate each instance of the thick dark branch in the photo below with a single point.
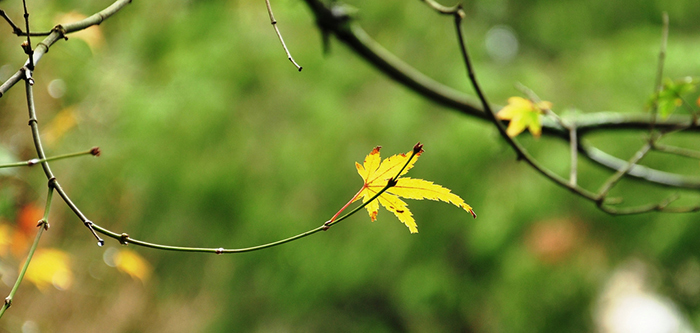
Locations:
(333, 19)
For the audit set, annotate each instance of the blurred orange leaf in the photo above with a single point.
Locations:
(523, 113)
(133, 264)
(376, 174)
(50, 267)
(29, 217)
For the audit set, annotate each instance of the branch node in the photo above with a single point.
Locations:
(219, 250)
(100, 241)
(28, 75)
(52, 183)
(8, 301)
(44, 224)
(123, 239)
(33, 162)
(61, 31)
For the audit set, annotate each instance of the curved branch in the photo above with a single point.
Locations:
(126, 239)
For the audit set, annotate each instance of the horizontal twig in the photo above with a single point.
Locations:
(676, 150)
(93, 151)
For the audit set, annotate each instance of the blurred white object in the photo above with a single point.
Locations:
(628, 305)
(501, 43)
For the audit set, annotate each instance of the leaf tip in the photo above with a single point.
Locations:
(375, 150)
(469, 209)
(418, 148)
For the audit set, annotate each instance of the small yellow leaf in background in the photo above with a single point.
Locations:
(376, 173)
(61, 123)
(5, 239)
(523, 113)
(50, 267)
(133, 264)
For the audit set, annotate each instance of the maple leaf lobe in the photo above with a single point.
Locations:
(375, 172)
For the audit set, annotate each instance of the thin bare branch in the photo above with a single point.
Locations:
(125, 239)
(639, 171)
(59, 32)
(53, 183)
(443, 9)
(28, 47)
(279, 35)
(43, 225)
(605, 188)
(573, 151)
(15, 29)
(93, 151)
(658, 86)
(676, 150)
(570, 126)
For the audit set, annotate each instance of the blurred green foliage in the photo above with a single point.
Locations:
(210, 137)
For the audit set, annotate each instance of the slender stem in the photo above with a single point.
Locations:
(15, 29)
(126, 239)
(641, 172)
(36, 161)
(348, 203)
(28, 49)
(519, 150)
(658, 86)
(442, 9)
(34, 124)
(603, 192)
(676, 150)
(573, 148)
(279, 35)
(10, 297)
(43, 225)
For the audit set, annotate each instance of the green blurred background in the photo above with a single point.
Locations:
(210, 137)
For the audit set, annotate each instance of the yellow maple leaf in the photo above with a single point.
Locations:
(523, 113)
(50, 267)
(376, 173)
